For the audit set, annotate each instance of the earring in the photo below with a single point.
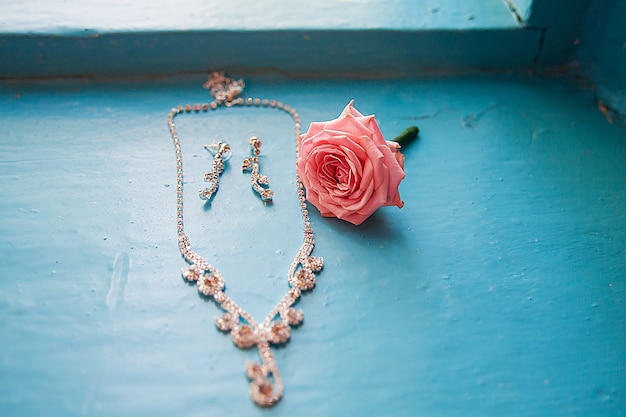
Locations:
(260, 183)
(221, 152)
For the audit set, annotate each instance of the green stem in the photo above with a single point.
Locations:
(408, 136)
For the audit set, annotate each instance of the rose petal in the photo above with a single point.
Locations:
(349, 109)
(347, 167)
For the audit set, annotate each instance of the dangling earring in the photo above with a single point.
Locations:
(260, 183)
(221, 152)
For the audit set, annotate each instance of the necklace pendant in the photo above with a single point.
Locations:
(263, 391)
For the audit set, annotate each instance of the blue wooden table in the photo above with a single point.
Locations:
(498, 289)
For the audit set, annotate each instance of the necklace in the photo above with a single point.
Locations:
(266, 386)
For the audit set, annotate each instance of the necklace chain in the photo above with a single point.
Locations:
(244, 329)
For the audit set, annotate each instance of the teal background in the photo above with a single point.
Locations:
(497, 290)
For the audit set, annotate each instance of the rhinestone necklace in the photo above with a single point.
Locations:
(266, 386)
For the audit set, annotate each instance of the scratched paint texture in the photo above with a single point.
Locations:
(498, 289)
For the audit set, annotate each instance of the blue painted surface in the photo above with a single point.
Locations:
(498, 289)
(523, 8)
(56, 17)
(602, 51)
(306, 39)
(562, 25)
(303, 39)
(298, 53)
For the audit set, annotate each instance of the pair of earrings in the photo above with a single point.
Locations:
(222, 152)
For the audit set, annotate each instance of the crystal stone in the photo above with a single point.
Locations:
(315, 263)
(193, 273)
(244, 336)
(227, 322)
(279, 332)
(305, 279)
(256, 371)
(210, 284)
(293, 316)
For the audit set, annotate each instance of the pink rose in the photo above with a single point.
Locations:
(348, 169)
